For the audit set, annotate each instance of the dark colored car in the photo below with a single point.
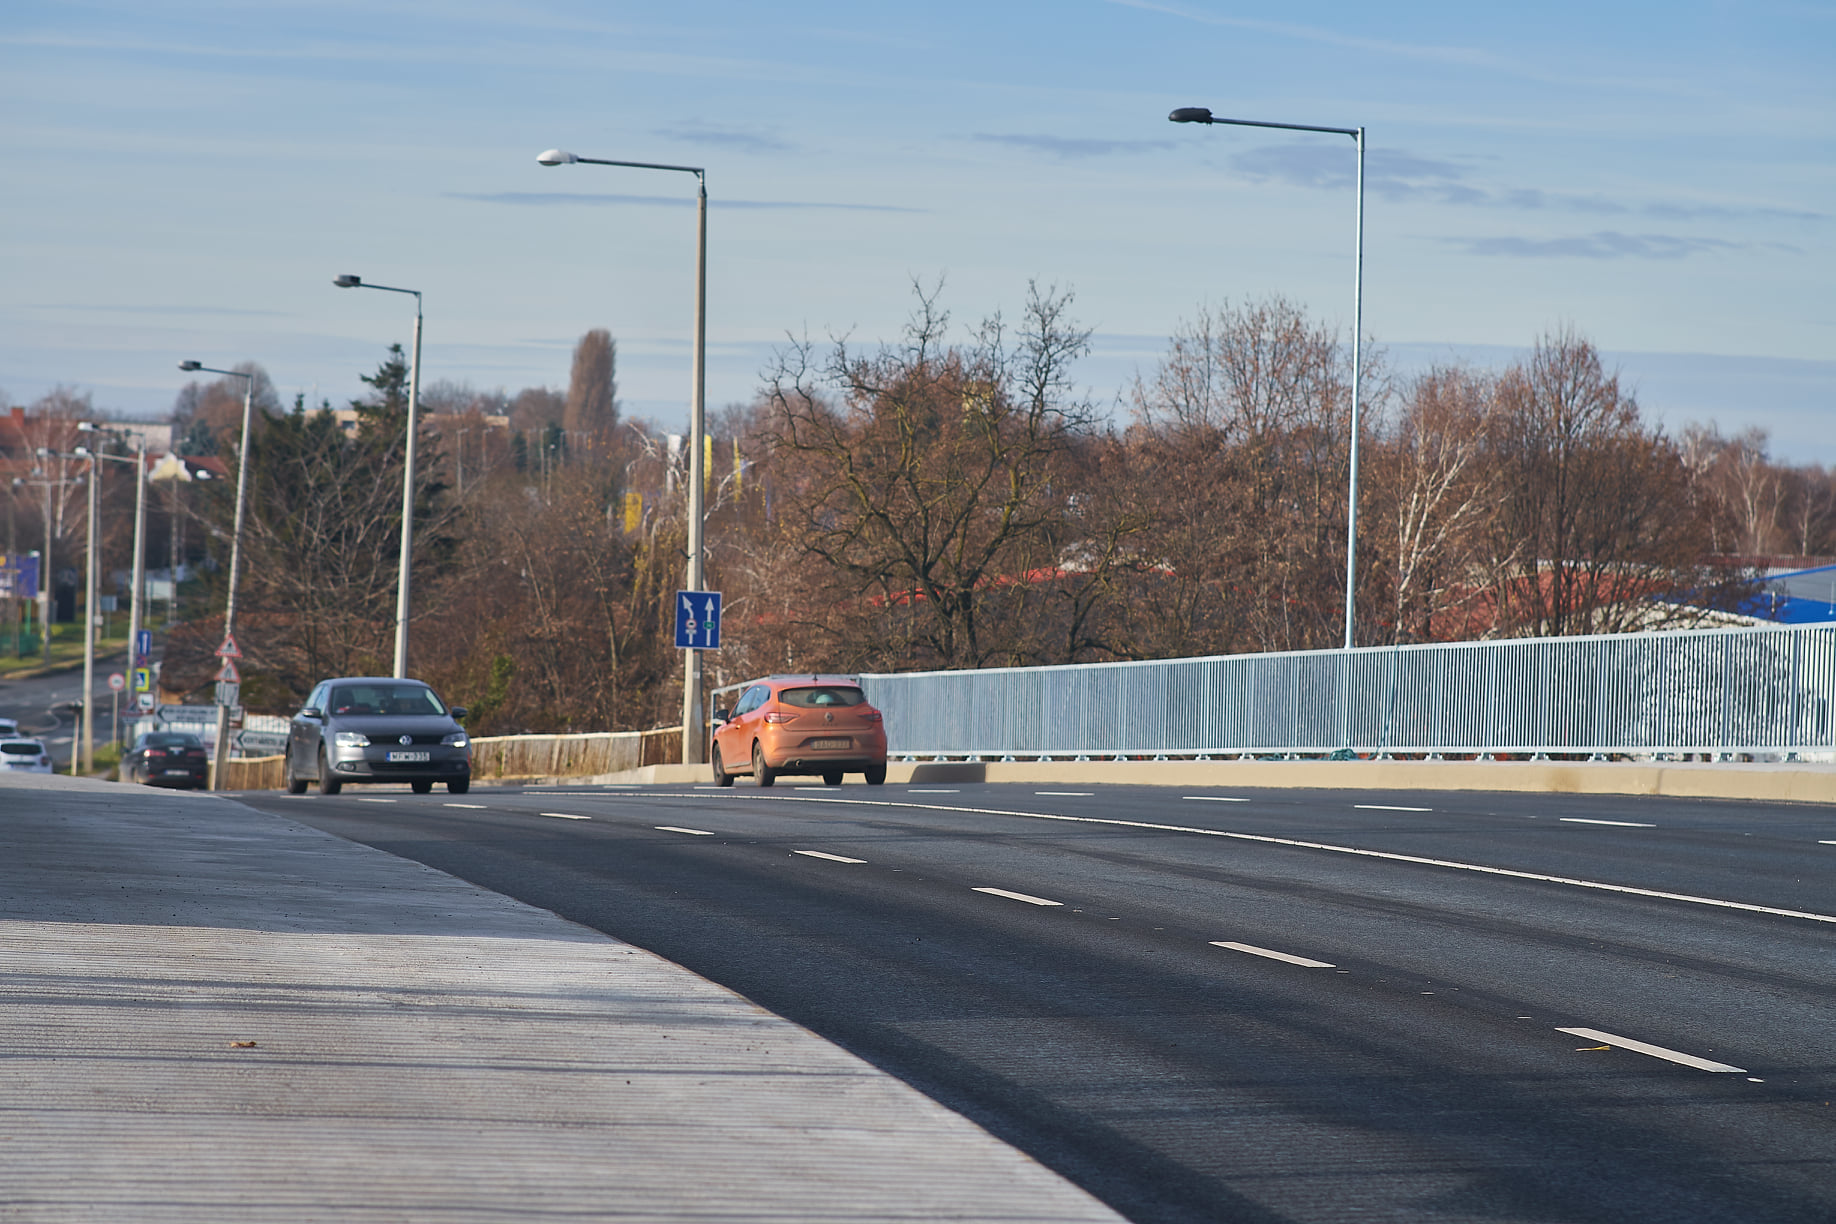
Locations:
(377, 729)
(806, 724)
(167, 758)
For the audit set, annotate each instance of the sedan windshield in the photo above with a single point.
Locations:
(385, 698)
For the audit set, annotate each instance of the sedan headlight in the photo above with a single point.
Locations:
(351, 739)
(456, 740)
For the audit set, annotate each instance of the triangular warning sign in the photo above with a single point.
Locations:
(228, 671)
(228, 649)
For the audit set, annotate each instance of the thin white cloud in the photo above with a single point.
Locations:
(1070, 147)
(549, 198)
(1602, 244)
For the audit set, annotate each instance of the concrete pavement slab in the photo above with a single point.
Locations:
(212, 1014)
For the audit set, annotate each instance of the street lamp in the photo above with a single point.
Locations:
(87, 756)
(221, 749)
(414, 398)
(139, 460)
(1199, 114)
(691, 665)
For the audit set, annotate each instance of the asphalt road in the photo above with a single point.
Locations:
(1251, 1006)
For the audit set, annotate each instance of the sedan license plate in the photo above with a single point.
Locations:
(179, 771)
(408, 757)
(832, 743)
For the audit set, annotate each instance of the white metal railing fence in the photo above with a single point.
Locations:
(1766, 690)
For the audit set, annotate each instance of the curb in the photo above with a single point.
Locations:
(1774, 783)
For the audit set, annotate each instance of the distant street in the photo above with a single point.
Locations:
(1250, 1006)
(42, 705)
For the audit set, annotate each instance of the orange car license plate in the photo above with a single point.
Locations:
(832, 743)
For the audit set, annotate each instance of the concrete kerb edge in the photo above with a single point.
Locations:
(1777, 783)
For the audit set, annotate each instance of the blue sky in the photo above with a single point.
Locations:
(185, 179)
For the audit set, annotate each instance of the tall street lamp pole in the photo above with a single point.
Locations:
(139, 460)
(405, 565)
(83, 753)
(1199, 114)
(692, 735)
(220, 752)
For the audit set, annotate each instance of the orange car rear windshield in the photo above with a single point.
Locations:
(821, 697)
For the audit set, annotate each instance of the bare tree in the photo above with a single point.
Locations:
(924, 483)
(1436, 488)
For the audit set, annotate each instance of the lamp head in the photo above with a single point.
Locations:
(87, 427)
(190, 365)
(347, 281)
(81, 452)
(556, 157)
(1191, 114)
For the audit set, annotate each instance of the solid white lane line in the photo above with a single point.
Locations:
(1389, 807)
(478, 806)
(1014, 896)
(1215, 798)
(680, 829)
(1640, 1047)
(1418, 860)
(1253, 950)
(376, 801)
(1068, 794)
(1624, 824)
(833, 858)
(564, 816)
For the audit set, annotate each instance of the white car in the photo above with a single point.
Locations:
(24, 756)
(8, 728)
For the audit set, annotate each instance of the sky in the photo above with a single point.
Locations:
(185, 179)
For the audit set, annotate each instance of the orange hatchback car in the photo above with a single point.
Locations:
(800, 725)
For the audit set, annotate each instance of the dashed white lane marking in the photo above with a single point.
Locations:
(1014, 896)
(917, 791)
(376, 801)
(814, 788)
(1253, 950)
(564, 815)
(1827, 843)
(833, 858)
(680, 829)
(1389, 807)
(1068, 794)
(1216, 798)
(1418, 860)
(1640, 1047)
(1624, 824)
(478, 806)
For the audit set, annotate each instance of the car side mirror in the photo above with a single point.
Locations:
(312, 712)
(721, 716)
(458, 713)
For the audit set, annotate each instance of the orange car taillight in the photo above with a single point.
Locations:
(871, 716)
(775, 716)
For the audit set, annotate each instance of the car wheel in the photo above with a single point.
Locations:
(328, 785)
(295, 785)
(459, 787)
(760, 774)
(421, 788)
(721, 776)
(137, 777)
(876, 774)
(832, 779)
